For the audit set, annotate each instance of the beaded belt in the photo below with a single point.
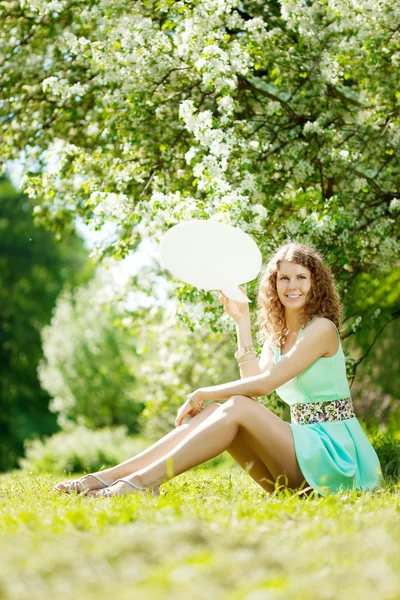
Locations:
(305, 413)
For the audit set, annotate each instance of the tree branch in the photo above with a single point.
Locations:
(394, 316)
(335, 93)
(273, 97)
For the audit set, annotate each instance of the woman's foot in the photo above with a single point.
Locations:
(92, 481)
(122, 487)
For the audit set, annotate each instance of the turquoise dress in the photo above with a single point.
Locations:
(332, 455)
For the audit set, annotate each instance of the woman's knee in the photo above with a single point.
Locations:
(232, 406)
(237, 403)
(208, 410)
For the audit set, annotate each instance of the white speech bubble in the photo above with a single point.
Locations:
(211, 256)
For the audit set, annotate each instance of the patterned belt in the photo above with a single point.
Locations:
(305, 413)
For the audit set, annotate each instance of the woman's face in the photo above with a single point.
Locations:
(293, 282)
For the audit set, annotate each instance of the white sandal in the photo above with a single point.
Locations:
(108, 494)
(73, 485)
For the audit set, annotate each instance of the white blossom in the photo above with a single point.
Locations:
(111, 205)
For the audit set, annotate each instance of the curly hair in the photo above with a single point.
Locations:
(323, 299)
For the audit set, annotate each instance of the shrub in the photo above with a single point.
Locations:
(387, 447)
(80, 449)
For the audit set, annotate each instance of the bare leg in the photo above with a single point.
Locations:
(240, 450)
(148, 456)
(208, 440)
(270, 434)
(162, 447)
(250, 461)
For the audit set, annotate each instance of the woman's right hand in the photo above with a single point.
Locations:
(236, 310)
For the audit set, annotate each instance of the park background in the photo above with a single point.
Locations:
(118, 120)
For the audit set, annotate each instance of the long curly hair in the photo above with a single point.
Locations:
(323, 299)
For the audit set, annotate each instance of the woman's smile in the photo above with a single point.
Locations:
(293, 282)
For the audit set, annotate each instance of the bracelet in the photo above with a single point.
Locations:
(246, 361)
(247, 353)
(195, 404)
(239, 353)
(240, 362)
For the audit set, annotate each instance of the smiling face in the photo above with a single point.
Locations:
(293, 282)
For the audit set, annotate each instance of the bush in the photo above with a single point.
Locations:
(80, 450)
(90, 365)
(387, 447)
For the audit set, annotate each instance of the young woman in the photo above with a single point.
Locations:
(322, 450)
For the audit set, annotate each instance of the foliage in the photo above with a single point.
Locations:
(374, 346)
(211, 533)
(387, 448)
(280, 117)
(90, 365)
(79, 449)
(33, 269)
(375, 330)
(375, 407)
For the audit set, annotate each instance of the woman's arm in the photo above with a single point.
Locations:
(243, 332)
(312, 345)
(240, 312)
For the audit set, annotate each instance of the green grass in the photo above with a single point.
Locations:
(212, 534)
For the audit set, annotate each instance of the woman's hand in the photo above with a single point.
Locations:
(186, 409)
(236, 310)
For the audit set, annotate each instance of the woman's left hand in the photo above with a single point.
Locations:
(187, 409)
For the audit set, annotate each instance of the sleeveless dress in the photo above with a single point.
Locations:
(332, 455)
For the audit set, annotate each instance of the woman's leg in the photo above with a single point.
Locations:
(270, 437)
(148, 456)
(249, 460)
(163, 446)
(240, 450)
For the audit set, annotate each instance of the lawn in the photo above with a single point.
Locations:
(213, 533)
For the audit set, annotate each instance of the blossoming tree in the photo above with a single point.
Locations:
(281, 117)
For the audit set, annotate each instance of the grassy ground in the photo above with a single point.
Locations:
(213, 533)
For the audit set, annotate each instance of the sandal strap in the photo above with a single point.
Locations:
(106, 493)
(73, 485)
(129, 483)
(85, 489)
(98, 478)
(135, 486)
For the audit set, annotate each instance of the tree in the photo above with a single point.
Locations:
(90, 365)
(33, 269)
(279, 117)
(376, 389)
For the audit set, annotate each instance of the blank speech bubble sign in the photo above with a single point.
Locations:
(211, 256)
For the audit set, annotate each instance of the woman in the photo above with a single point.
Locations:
(322, 450)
